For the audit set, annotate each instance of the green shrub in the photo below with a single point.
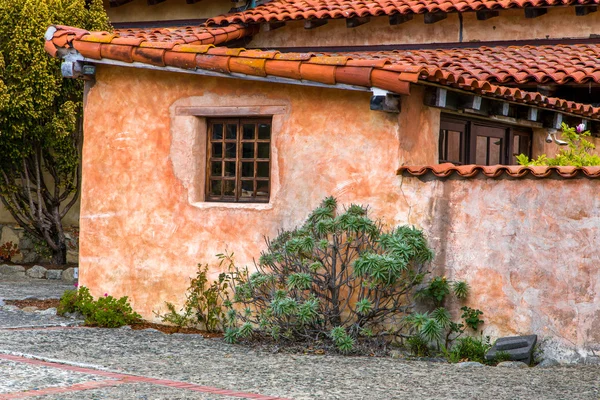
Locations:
(469, 349)
(339, 277)
(578, 152)
(501, 356)
(202, 306)
(418, 346)
(471, 317)
(106, 312)
(436, 326)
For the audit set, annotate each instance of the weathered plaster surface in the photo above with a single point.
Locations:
(509, 25)
(525, 246)
(139, 10)
(142, 234)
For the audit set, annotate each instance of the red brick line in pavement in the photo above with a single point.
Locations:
(127, 378)
(54, 390)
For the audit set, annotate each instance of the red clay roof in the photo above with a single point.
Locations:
(384, 70)
(497, 171)
(152, 38)
(285, 10)
(559, 64)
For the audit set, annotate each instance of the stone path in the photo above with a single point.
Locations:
(87, 363)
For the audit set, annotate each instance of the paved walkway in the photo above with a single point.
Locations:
(83, 363)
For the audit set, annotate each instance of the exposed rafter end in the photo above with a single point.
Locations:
(580, 11)
(382, 100)
(117, 3)
(432, 18)
(192, 1)
(356, 21)
(314, 23)
(532, 12)
(398, 19)
(271, 26)
(486, 14)
(154, 2)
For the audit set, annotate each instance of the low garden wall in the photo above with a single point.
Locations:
(528, 247)
(32, 251)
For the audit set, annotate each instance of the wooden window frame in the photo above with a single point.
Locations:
(468, 141)
(238, 179)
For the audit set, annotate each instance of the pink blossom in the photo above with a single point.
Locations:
(76, 285)
(105, 294)
(580, 128)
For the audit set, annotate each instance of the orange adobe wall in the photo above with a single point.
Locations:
(526, 246)
(144, 226)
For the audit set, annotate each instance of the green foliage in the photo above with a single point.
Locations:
(107, 311)
(469, 349)
(8, 250)
(418, 346)
(40, 116)
(202, 305)
(578, 152)
(437, 327)
(439, 288)
(501, 356)
(343, 341)
(471, 317)
(340, 277)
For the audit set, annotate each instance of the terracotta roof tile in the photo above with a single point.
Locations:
(577, 63)
(497, 171)
(389, 70)
(284, 10)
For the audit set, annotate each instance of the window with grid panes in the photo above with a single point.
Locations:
(239, 160)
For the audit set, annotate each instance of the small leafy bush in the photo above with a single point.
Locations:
(437, 326)
(469, 349)
(578, 151)
(8, 250)
(471, 317)
(106, 312)
(340, 277)
(202, 306)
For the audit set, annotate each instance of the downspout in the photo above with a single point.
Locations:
(460, 27)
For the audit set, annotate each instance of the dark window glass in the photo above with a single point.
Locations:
(464, 141)
(239, 160)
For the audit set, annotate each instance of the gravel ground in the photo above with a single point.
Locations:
(213, 363)
(15, 378)
(12, 317)
(136, 391)
(23, 288)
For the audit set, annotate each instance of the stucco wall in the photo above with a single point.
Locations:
(509, 25)
(139, 10)
(525, 246)
(528, 249)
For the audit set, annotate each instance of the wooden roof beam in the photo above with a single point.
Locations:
(271, 26)
(580, 11)
(356, 21)
(314, 23)
(397, 19)
(483, 15)
(432, 18)
(534, 12)
(154, 2)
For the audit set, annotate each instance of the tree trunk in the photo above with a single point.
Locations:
(59, 257)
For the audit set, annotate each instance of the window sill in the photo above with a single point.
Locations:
(233, 206)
